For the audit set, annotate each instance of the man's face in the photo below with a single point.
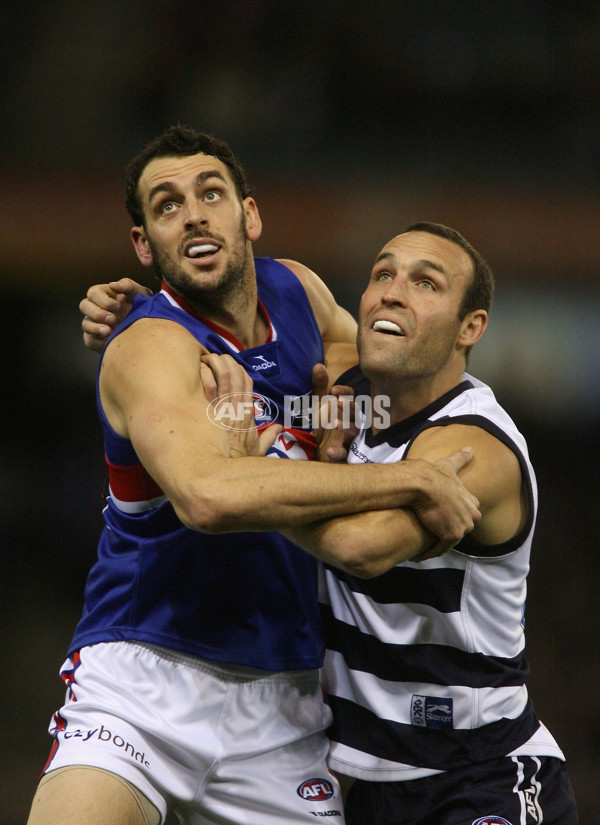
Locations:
(198, 233)
(408, 319)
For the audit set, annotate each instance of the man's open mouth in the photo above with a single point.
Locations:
(388, 327)
(201, 250)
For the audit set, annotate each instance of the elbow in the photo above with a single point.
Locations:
(199, 518)
(365, 568)
(362, 562)
(204, 510)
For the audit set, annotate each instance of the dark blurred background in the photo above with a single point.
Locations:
(351, 120)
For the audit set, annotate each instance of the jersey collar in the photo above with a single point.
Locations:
(224, 333)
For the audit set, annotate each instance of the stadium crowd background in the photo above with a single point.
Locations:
(351, 120)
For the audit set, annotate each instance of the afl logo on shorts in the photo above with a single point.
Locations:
(315, 790)
(492, 820)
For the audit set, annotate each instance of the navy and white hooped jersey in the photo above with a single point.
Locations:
(243, 598)
(425, 667)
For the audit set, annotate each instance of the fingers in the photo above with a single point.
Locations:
(347, 418)
(336, 455)
(451, 511)
(230, 377)
(93, 342)
(99, 310)
(320, 380)
(475, 509)
(106, 304)
(96, 325)
(208, 382)
(460, 459)
(128, 287)
(451, 466)
(342, 390)
(99, 298)
(268, 436)
(438, 549)
(94, 335)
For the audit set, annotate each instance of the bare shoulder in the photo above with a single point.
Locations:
(300, 270)
(315, 287)
(493, 465)
(149, 365)
(336, 323)
(494, 476)
(151, 339)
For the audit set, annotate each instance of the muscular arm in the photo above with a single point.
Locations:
(368, 544)
(152, 393)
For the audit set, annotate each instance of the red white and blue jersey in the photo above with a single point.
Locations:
(425, 667)
(243, 598)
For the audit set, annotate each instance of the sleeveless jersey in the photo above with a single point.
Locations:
(242, 598)
(425, 668)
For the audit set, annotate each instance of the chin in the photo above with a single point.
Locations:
(376, 369)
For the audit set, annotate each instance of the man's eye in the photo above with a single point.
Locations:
(212, 195)
(167, 207)
(383, 276)
(428, 285)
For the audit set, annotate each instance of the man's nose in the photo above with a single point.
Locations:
(195, 213)
(396, 292)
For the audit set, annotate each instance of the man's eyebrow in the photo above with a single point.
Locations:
(425, 264)
(417, 266)
(167, 186)
(211, 173)
(422, 263)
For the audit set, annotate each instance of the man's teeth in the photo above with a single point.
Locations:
(201, 249)
(387, 326)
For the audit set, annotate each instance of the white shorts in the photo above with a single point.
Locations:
(216, 743)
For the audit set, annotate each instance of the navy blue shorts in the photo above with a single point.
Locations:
(520, 790)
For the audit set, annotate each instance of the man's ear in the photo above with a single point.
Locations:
(253, 221)
(141, 245)
(472, 327)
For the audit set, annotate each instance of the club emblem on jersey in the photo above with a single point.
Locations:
(264, 409)
(237, 411)
(492, 820)
(315, 790)
(431, 711)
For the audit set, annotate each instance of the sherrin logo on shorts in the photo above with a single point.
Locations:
(492, 820)
(315, 790)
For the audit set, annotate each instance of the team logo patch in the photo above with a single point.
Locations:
(432, 712)
(491, 820)
(315, 790)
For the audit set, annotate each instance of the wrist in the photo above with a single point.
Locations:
(416, 482)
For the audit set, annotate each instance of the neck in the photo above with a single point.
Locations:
(240, 316)
(408, 396)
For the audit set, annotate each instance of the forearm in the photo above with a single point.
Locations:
(255, 493)
(339, 357)
(364, 544)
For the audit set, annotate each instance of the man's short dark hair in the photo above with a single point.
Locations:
(480, 292)
(179, 141)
